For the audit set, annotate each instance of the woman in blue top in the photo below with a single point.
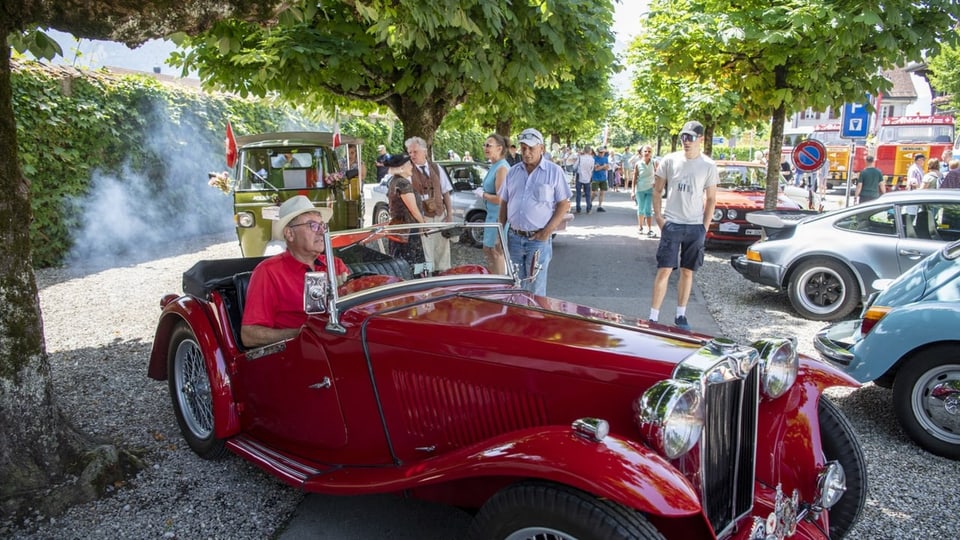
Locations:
(495, 150)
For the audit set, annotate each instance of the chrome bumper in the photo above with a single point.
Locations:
(835, 341)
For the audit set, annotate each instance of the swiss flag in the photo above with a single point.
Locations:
(336, 134)
(231, 145)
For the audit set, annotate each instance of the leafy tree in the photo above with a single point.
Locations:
(945, 74)
(37, 446)
(419, 59)
(782, 56)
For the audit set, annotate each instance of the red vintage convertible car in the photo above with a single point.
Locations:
(553, 420)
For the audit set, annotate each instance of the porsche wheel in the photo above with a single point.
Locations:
(823, 289)
(191, 394)
(541, 511)
(926, 399)
(381, 214)
(475, 235)
(840, 444)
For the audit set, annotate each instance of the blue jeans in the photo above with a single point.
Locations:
(521, 254)
(585, 187)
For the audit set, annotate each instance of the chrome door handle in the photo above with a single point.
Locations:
(909, 253)
(325, 383)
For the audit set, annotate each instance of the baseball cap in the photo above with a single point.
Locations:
(530, 137)
(693, 128)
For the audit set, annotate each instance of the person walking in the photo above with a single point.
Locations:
(434, 187)
(534, 199)
(870, 184)
(693, 178)
(495, 150)
(915, 172)
(932, 179)
(644, 170)
(631, 166)
(381, 163)
(601, 165)
(583, 171)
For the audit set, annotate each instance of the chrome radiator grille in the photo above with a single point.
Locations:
(728, 449)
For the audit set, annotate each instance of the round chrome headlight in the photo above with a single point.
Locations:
(245, 219)
(717, 214)
(780, 365)
(731, 214)
(670, 417)
(831, 485)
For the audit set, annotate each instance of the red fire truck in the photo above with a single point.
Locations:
(838, 152)
(902, 137)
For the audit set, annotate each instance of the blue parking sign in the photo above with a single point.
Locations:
(854, 121)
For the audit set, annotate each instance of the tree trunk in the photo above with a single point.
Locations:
(504, 126)
(420, 120)
(37, 445)
(773, 157)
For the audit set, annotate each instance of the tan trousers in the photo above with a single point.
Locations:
(436, 248)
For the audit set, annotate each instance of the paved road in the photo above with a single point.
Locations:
(599, 261)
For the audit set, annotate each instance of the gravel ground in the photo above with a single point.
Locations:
(99, 359)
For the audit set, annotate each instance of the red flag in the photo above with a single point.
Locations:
(336, 133)
(231, 144)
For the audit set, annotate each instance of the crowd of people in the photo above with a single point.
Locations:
(527, 190)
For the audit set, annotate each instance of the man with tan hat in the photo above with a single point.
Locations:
(274, 303)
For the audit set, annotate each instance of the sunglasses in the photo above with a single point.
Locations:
(314, 226)
(686, 137)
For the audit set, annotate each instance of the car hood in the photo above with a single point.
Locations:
(522, 330)
(750, 199)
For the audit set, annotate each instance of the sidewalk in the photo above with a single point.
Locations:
(601, 261)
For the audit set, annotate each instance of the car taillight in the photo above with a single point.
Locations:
(872, 317)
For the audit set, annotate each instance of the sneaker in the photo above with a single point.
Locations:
(681, 323)
(652, 234)
(588, 210)
(578, 210)
(600, 209)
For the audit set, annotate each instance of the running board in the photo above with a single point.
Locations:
(290, 469)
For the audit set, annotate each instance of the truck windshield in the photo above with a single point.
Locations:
(917, 134)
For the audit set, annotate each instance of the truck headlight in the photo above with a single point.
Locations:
(670, 416)
(780, 365)
(245, 220)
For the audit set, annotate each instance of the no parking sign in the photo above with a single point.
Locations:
(809, 155)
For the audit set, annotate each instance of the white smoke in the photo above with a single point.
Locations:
(135, 214)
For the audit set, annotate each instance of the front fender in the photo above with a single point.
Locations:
(618, 469)
(195, 314)
(902, 331)
(789, 443)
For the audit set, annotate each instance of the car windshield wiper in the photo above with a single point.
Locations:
(261, 177)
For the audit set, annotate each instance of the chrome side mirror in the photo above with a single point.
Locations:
(315, 293)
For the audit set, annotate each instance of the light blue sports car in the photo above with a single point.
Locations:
(908, 338)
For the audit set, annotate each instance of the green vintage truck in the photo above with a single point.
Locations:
(273, 167)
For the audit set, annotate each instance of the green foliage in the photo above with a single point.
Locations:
(945, 74)
(72, 124)
(776, 57)
(419, 59)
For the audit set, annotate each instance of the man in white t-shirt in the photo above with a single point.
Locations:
(583, 172)
(683, 222)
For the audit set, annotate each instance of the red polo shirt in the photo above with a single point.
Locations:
(275, 294)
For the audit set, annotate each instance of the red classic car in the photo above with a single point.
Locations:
(741, 191)
(553, 419)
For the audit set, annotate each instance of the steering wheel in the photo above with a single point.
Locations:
(358, 275)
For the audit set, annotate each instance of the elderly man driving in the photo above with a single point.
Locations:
(274, 302)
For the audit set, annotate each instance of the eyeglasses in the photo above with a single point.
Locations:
(686, 137)
(315, 226)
